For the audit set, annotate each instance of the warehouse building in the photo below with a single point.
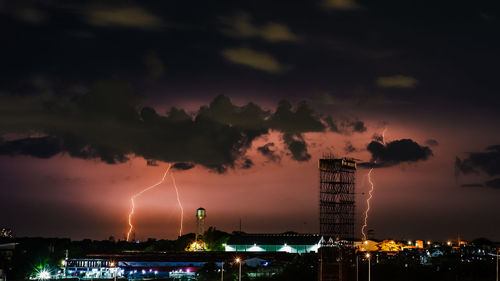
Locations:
(289, 243)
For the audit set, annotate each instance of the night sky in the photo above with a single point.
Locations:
(242, 98)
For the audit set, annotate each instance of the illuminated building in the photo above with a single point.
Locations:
(6, 257)
(419, 244)
(289, 243)
(165, 265)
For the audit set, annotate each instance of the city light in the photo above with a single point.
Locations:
(43, 275)
(237, 260)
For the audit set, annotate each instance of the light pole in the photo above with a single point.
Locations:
(357, 270)
(238, 260)
(222, 272)
(498, 252)
(369, 269)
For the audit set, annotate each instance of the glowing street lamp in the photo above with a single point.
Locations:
(238, 260)
(43, 275)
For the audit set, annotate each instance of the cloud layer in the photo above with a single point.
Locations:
(254, 59)
(397, 81)
(487, 162)
(108, 123)
(396, 152)
(241, 26)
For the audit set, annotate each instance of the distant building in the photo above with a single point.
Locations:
(165, 265)
(289, 243)
(6, 255)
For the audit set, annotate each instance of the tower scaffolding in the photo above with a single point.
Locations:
(336, 207)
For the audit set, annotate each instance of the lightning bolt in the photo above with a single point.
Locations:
(369, 175)
(179, 202)
(132, 209)
(372, 188)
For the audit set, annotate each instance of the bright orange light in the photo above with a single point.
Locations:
(367, 256)
(132, 209)
(366, 242)
(237, 260)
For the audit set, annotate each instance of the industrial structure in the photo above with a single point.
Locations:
(336, 218)
(198, 244)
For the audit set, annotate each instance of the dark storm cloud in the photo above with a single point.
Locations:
(487, 162)
(297, 146)
(268, 152)
(377, 137)
(108, 123)
(247, 163)
(494, 183)
(40, 147)
(346, 126)
(396, 152)
(183, 166)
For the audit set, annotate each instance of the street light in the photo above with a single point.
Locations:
(238, 260)
(369, 269)
(222, 272)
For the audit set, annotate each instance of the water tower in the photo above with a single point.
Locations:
(201, 214)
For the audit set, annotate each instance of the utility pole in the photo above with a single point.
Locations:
(369, 269)
(498, 252)
(357, 269)
(222, 272)
(238, 260)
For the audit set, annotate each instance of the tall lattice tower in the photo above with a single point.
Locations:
(336, 218)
